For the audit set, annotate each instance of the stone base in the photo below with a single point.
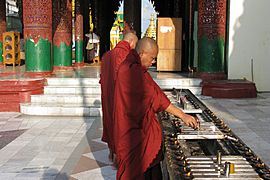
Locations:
(79, 64)
(9, 107)
(229, 89)
(13, 73)
(62, 68)
(14, 92)
(37, 74)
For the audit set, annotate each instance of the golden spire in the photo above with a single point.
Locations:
(73, 8)
(151, 30)
(91, 24)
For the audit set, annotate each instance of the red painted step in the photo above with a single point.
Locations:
(14, 92)
(229, 89)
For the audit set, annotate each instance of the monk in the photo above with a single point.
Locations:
(137, 132)
(109, 68)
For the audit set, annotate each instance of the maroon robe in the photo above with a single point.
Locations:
(137, 132)
(109, 67)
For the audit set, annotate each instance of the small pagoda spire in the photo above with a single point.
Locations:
(91, 24)
(151, 30)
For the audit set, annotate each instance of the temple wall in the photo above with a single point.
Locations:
(249, 38)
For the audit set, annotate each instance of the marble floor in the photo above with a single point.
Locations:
(39, 147)
(43, 147)
(249, 119)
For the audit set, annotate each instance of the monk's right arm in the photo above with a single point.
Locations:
(187, 119)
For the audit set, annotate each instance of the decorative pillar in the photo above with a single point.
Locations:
(3, 26)
(62, 27)
(132, 15)
(78, 33)
(37, 16)
(211, 38)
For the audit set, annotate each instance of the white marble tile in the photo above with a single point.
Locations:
(16, 119)
(6, 176)
(88, 175)
(41, 162)
(106, 173)
(3, 122)
(101, 156)
(11, 168)
(25, 125)
(96, 112)
(113, 177)
(98, 140)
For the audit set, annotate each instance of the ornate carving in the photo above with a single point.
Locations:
(78, 21)
(37, 15)
(212, 18)
(2, 18)
(62, 19)
(79, 27)
(62, 37)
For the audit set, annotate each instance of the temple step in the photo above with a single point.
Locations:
(60, 109)
(193, 84)
(82, 96)
(9, 107)
(66, 97)
(73, 82)
(13, 92)
(76, 90)
(89, 100)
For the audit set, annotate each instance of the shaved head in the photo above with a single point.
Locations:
(131, 38)
(147, 49)
(146, 44)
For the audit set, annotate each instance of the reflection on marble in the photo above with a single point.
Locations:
(87, 71)
(167, 75)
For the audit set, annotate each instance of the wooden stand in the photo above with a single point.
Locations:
(11, 48)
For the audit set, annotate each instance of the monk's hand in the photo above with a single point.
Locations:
(191, 121)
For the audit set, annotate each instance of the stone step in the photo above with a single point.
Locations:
(60, 110)
(78, 90)
(182, 82)
(193, 84)
(72, 81)
(167, 83)
(16, 91)
(194, 90)
(9, 107)
(89, 100)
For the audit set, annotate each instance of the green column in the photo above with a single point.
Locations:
(3, 26)
(211, 35)
(62, 28)
(211, 54)
(79, 51)
(37, 15)
(37, 55)
(62, 55)
(78, 32)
